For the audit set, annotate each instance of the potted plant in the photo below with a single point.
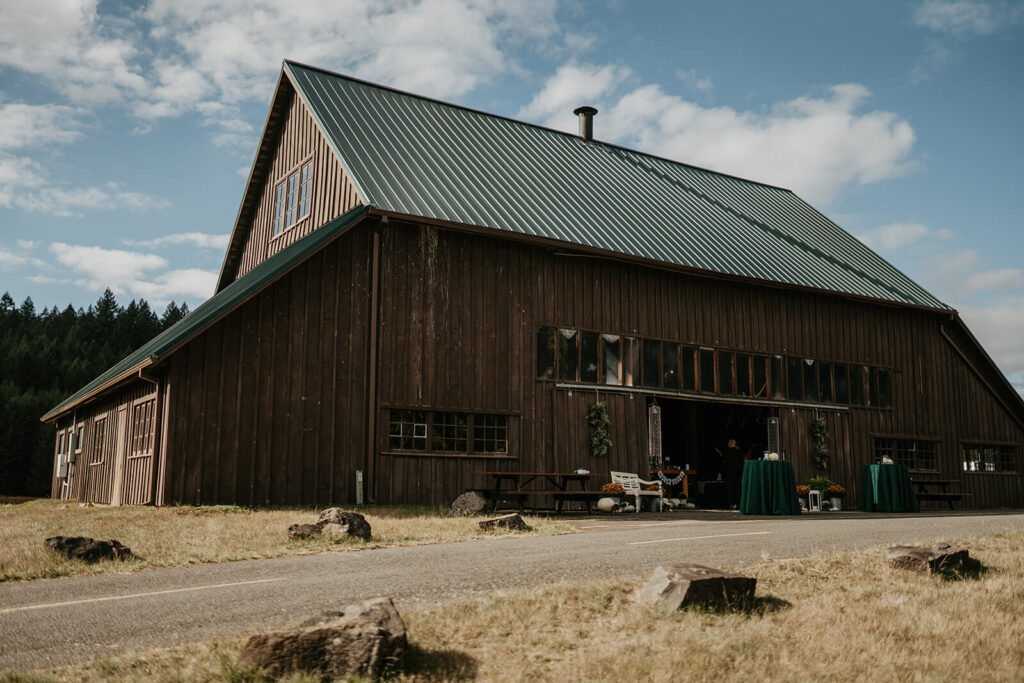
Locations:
(802, 490)
(835, 494)
(610, 500)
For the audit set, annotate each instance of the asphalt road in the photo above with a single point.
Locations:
(51, 622)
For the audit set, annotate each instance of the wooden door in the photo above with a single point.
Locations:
(119, 455)
(138, 473)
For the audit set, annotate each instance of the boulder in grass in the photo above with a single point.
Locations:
(363, 640)
(469, 503)
(942, 559)
(344, 523)
(676, 586)
(298, 531)
(87, 549)
(513, 522)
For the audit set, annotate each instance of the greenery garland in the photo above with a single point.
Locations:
(599, 421)
(819, 432)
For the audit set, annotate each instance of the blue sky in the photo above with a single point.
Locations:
(127, 129)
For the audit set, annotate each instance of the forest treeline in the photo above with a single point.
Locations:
(47, 356)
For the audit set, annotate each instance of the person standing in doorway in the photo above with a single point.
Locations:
(733, 466)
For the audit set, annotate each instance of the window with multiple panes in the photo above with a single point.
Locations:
(917, 454)
(408, 430)
(143, 427)
(447, 432)
(571, 355)
(99, 431)
(292, 198)
(978, 457)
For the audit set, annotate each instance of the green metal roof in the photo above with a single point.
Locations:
(213, 309)
(421, 157)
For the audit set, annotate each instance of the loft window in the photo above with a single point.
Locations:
(612, 359)
(842, 372)
(652, 363)
(881, 388)
(292, 198)
(687, 365)
(825, 381)
(917, 454)
(742, 374)
(760, 374)
(490, 433)
(450, 432)
(707, 370)
(588, 356)
(988, 458)
(408, 430)
(568, 354)
(795, 377)
(725, 373)
(670, 365)
(546, 353)
(630, 361)
(810, 381)
(857, 373)
(778, 377)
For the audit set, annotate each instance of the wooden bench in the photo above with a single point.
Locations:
(631, 482)
(951, 497)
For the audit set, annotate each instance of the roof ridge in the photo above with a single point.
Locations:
(775, 232)
(520, 122)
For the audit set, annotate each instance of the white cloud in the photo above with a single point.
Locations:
(816, 146)
(1000, 328)
(897, 235)
(27, 125)
(134, 273)
(98, 264)
(62, 201)
(958, 18)
(998, 279)
(8, 259)
(571, 86)
(197, 239)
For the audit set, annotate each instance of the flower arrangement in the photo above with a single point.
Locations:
(835, 491)
(653, 487)
(613, 490)
(819, 483)
(802, 490)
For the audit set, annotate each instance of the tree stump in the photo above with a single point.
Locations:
(513, 522)
(942, 558)
(681, 585)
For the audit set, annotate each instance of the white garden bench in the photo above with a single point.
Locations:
(633, 485)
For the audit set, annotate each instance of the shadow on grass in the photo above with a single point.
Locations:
(443, 664)
(758, 606)
(969, 570)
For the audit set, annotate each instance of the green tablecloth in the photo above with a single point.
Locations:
(887, 488)
(769, 488)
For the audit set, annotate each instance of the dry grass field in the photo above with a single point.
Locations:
(175, 536)
(836, 617)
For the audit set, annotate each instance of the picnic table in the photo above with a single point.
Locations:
(887, 488)
(768, 488)
(926, 490)
(512, 487)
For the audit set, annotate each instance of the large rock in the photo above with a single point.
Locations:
(513, 521)
(367, 639)
(87, 549)
(344, 523)
(675, 586)
(942, 558)
(304, 530)
(469, 503)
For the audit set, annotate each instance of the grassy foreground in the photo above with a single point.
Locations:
(837, 617)
(175, 536)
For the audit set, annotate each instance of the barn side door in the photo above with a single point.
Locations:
(138, 471)
(119, 454)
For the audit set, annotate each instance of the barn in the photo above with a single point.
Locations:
(416, 292)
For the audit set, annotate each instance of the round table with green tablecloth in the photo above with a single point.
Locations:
(769, 488)
(887, 488)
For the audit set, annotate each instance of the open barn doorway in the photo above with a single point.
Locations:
(693, 433)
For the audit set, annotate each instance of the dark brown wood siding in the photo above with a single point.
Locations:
(269, 405)
(92, 478)
(459, 313)
(333, 194)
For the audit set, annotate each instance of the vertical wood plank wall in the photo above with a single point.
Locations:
(333, 194)
(268, 406)
(94, 481)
